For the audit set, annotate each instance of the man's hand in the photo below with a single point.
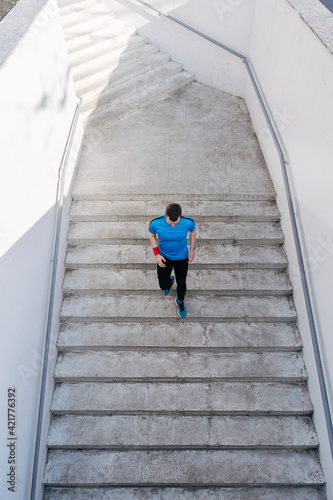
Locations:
(160, 260)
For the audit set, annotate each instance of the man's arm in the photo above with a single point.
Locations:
(192, 243)
(153, 241)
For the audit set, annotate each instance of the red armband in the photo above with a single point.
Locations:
(156, 250)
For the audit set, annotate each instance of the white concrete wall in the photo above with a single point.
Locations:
(37, 103)
(295, 70)
(227, 21)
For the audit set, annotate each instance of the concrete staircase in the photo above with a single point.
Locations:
(149, 406)
(115, 71)
(146, 405)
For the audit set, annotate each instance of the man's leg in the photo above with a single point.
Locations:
(164, 275)
(181, 267)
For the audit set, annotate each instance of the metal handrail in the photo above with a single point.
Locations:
(301, 263)
(59, 198)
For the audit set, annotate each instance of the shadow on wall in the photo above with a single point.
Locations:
(227, 22)
(25, 271)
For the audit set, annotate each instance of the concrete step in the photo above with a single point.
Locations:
(258, 233)
(115, 28)
(90, 80)
(76, 16)
(258, 337)
(121, 39)
(122, 74)
(210, 256)
(181, 398)
(88, 26)
(70, 6)
(101, 194)
(103, 60)
(139, 210)
(140, 100)
(190, 467)
(157, 308)
(197, 493)
(113, 95)
(181, 432)
(167, 366)
(96, 281)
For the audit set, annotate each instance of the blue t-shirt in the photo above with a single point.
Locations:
(172, 239)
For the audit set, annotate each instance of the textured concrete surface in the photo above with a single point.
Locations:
(261, 233)
(144, 98)
(226, 282)
(210, 336)
(240, 398)
(115, 95)
(209, 256)
(87, 210)
(89, 63)
(162, 366)
(175, 432)
(122, 72)
(200, 139)
(72, 15)
(109, 39)
(113, 73)
(266, 493)
(227, 467)
(97, 308)
(117, 89)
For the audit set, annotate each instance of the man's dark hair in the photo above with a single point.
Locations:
(173, 211)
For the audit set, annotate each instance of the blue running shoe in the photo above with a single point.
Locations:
(181, 309)
(166, 292)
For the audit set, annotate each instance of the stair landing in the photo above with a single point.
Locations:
(199, 141)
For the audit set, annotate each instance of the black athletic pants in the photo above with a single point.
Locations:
(180, 267)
